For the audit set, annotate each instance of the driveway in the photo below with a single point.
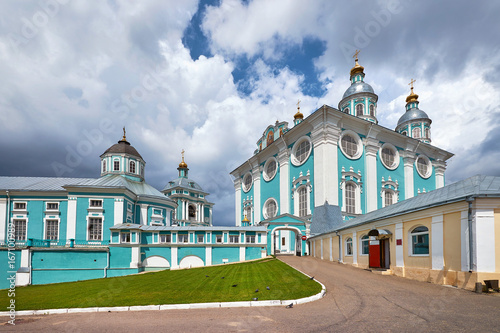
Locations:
(356, 301)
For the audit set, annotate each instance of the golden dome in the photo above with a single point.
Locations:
(245, 219)
(183, 164)
(412, 97)
(357, 67)
(298, 115)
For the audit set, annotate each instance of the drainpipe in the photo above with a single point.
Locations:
(107, 265)
(472, 251)
(340, 246)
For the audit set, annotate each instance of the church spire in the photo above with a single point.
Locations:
(298, 117)
(183, 167)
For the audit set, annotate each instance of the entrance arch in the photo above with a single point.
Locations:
(191, 261)
(286, 243)
(379, 248)
(155, 262)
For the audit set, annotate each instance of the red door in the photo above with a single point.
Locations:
(374, 254)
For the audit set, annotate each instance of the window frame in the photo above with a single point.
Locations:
(415, 233)
(185, 237)
(167, 237)
(219, 239)
(125, 237)
(371, 109)
(266, 203)
(198, 239)
(132, 165)
(358, 143)
(250, 239)
(303, 198)
(104, 166)
(244, 187)
(91, 223)
(364, 242)
(115, 161)
(52, 209)
(96, 206)
(266, 175)
(427, 162)
(234, 239)
(295, 161)
(347, 204)
(348, 246)
(24, 205)
(46, 229)
(395, 164)
(359, 107)
(16, 228)
(416, 133)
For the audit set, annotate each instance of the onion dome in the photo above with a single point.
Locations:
(245, 219)
(414, 122)
(183, 167)
(357, 67)
(183, 164)
(298, 117)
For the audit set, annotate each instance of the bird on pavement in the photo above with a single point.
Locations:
(289, 306)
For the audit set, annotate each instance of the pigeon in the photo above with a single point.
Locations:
(255, 299)
(234, 285)
(268, 288)
(256, 290)
(311, 278)
(222, 277)
(206, 275)
(289, 306)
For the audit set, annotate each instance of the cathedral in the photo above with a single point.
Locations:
(340, 156)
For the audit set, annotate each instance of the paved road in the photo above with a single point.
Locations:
(356, 301)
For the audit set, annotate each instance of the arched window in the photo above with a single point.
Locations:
(248, 213)
(372, 110)
(270, 138)
(388, 157)
(350, 198)
(270, 169)
(192, 212)
(427, 132)
(346, 110)
(349, 145)
(301, 151)
(131, 167)
(104, 166)
(365, 245)
(116, 165)
(388, 198)
(247, 182)
(348, 246)
(423, 166)
(420, 241)
(359, 109)
(302, 201)
(270, 208)
(404, 133)
(416, 133)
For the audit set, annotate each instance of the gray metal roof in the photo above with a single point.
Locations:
(122, 147)
(476, 186)
(130, 226)
(358, 87)
(325, 218)
(413, 114)
(37, 183)
(182, 182)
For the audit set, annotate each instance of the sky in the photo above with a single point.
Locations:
(209, 77)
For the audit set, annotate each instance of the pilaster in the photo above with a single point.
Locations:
(284, 167)
(439, 169)
(71, 222)
(485, 240)
(400, 262)
(118, 215)
(409, 161)
(371, 150)
(437, 242)
(237, 204)
(256, 171)
(3, 219)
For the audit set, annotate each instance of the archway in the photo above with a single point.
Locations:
(155, 263)
(191, 261)
(286, 240)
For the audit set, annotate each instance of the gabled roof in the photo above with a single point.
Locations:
(473, 187)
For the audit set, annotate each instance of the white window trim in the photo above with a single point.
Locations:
(396, 156)
(429, 165)
(246, 190)
(296, 198)
(358, 143)
(25, 218)
(232, 242)
(14, 209)
(357, 208)
(45, 228)
(52, 202)
(293, 159)
(266, 176)
(100, 216)
(119, 165)
(410, 241)
(264, 209)
(361, 245)
(159, 239)
(125, 233)
(345, 248)
(101, 207)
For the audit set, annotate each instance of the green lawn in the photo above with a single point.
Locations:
(172, 287)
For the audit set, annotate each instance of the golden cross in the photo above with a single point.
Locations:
(124, 136)
(356, 54)
(182, 152)
(298, 104)
(411, 83)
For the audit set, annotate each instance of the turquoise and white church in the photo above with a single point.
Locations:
(338, 162)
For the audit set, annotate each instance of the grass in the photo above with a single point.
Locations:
(172, 287)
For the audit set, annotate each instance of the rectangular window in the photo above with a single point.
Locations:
(234, 239)
(51, 229)
(20, 230)
(200, 238)
(157, 212)
(183, 238)
(420, 244)
(250, 239)
(95, 203)
(165, 238)
(125, 237)
(365, 246)
(95, 229)
(303, 202)
(20, 205)
(116, 165)
(52, 206)
(218, 238)
(283, 241)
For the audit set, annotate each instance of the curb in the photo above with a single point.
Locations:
(177, 306)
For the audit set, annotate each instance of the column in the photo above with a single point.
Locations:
(144, 214)
(354, 248)
(173, 258)
(409, 160)
(118, 211)
(242, 253)
(237, 203)
(484, 244)
(437, 242)
(256, 193)
(208, 256)
(284, 165)
(371, 150)
(136, 257)
(325, 144)
(321, 248)
(400, 262)
(464, 241)
(71, 224)
(439, 169)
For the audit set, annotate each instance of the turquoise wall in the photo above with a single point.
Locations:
(357, 165)
(268, 189)
(4, 261)
(252, 253)
(120, 257)
(191, 251)
(295, 172)
(230, 253)
(396, 174)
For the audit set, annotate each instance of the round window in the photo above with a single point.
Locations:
(270, 208)
(270, 169)
(301, 151)
(389, 156)
(423, 165)
(247, 182)
(350, 144)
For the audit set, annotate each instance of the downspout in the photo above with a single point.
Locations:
(472, 252)
(107, 265)
(340, 246)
